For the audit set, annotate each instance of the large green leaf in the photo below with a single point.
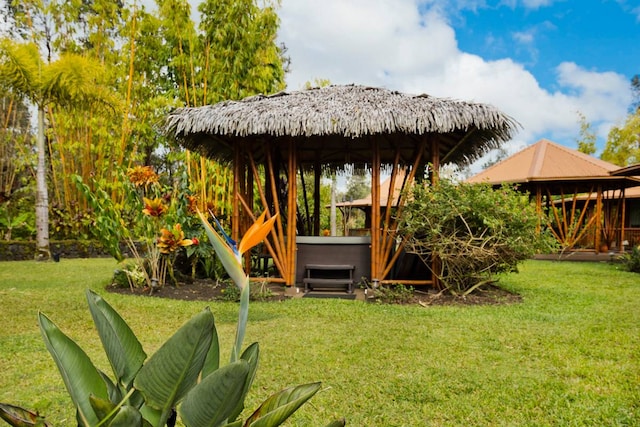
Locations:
(80, 376)
(123, 349)
(243, 317)
(103, 408)
(230, 261)
(127, 416)
(211, 402)
(114, 392)
(277, 408)
(212, 362)
(174, 369)
(251, 355)
(20, 417)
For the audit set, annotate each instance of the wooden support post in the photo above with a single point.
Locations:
(375, 212)
(598, 218)
(539, 208)
(316, 196)
(623, 212)
(436, 264)
(235, 216)
(292, 214)
(273, 176)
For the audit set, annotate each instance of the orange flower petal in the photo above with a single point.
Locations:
(256, 233)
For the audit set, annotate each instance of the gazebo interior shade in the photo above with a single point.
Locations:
(336, 126)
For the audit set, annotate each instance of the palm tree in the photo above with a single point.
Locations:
(69, 81)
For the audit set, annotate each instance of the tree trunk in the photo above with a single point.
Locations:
(42, 196)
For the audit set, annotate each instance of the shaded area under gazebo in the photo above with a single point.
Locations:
(584, 197)
(272, 140)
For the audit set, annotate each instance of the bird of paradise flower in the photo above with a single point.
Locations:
(230, 256)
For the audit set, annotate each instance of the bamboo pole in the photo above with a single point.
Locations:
(276, 260)
(539, 209)
(623, 220)
(276, 250)
(274, 194)
(396, 255)
(235, 223)
(316, 196)
(393, 224)
(598, 218)
(249, 188)
(562, 237)
(436, 263)
(306, 201)
(581, 219)
(375, 212)
(203, 177)
(564, 214)
(127, 108)
(291, 214)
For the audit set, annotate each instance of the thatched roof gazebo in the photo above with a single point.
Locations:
(334, 127)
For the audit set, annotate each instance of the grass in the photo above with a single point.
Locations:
(568, 355)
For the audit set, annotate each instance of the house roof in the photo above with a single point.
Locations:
(555, 167)
(337, 125)
(632, 170)
(384, 194)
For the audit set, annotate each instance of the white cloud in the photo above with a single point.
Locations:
(407, 46)
(524, 37)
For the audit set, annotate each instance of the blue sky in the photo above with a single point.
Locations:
(543, 62)
(598, 35)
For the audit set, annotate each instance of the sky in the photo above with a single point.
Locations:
(543, 62)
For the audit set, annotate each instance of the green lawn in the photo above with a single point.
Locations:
(568, 355)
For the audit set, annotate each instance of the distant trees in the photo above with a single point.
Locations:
(69, 81)
(150, 62)
(623, 142)
(587, 138)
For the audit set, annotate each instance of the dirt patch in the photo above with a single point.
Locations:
(205, 290)
(488, 295)
(209, 290)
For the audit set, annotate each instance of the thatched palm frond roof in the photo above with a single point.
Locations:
(341, 121)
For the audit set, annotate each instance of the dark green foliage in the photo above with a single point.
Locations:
(230, 292)
(474, 230)
(394, 294)
(632, 260)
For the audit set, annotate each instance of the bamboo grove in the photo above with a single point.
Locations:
(132, 63)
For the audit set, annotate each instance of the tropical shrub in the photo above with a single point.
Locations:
(183, 378)
(393, 294)
(631, 260)
(472, 230)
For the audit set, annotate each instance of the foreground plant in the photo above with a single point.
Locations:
(183, 378)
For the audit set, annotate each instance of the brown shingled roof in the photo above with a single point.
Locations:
(545, 160)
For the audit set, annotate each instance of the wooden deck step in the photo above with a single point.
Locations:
(333, 276)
